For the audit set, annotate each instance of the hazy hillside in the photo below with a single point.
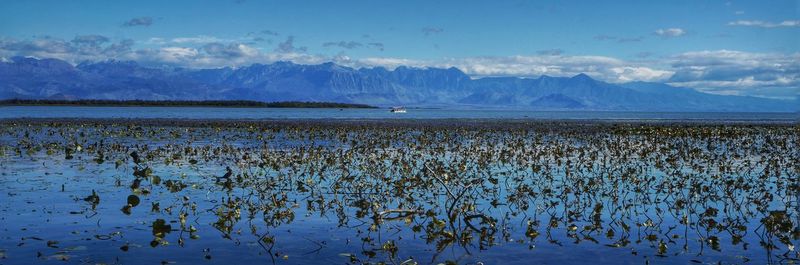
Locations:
(30, 78)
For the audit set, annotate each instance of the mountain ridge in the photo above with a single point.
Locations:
(30, 78)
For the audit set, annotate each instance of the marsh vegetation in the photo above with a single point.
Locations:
(405, 192)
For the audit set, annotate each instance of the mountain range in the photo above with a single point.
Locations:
(31, 78)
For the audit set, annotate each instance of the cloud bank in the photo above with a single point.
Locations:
(764, 24)
(139, 21)
(670, 32)
(774, 75)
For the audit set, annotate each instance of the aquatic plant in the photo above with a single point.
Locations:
(651, 189)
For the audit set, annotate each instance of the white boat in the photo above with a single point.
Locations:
(398, 110)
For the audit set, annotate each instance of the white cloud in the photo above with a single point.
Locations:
(670, 32)
(744, 72)
(716, 71)
(156, 41)
(764, 24)
(748, 81)
(232, 50)
(289, 47)
(202, 39)
(629, 74)
(193, 40)
(390, 63)
(139, 21)
(168, 55)
(601, 67)
(343, 44)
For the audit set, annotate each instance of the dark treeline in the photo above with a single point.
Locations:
(181, 103)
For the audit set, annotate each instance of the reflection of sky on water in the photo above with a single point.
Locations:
(292, 113)
(39, 219)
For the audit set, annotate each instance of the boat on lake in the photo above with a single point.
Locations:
(398, 110)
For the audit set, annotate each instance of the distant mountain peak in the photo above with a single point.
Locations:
(334, 66)
(19, 59)
(455, 69)
(283, 63)
(34, 78)
(582, 76)
(55, 65)
(108, 63)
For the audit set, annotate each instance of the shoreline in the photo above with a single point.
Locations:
(443, 122)
(182, 103)
(176, 106)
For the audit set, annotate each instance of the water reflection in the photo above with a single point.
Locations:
(372, 192)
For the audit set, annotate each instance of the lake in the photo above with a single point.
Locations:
(446, 192)
(291, 113)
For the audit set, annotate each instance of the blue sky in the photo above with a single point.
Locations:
(725, 47)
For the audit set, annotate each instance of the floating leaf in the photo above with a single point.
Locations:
(161, 228)
(133, 200)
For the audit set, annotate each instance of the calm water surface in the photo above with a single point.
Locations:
(298, 193)
(301, 113)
